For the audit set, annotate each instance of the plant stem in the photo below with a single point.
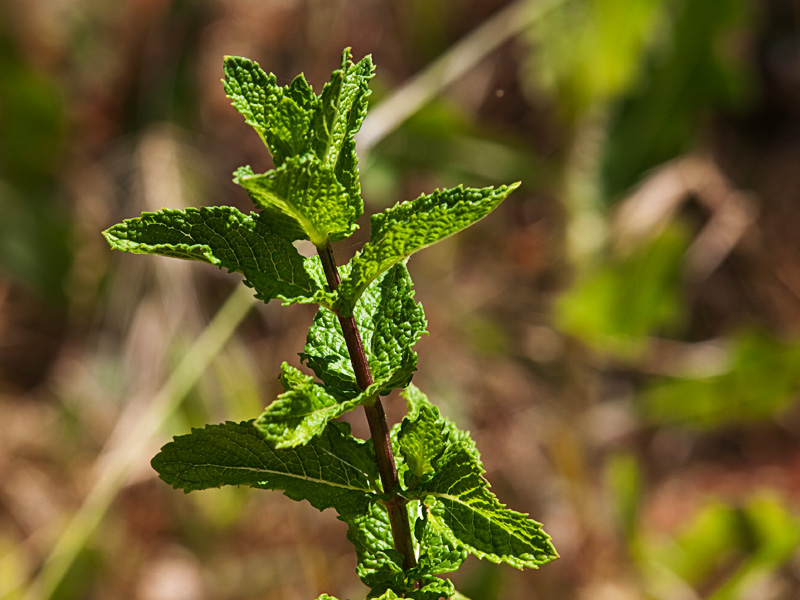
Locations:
(396, 506)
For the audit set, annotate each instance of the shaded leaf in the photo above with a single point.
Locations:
(390, 323)
(379, 566)
(333, 471)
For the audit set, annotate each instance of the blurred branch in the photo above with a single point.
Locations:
(448, 68)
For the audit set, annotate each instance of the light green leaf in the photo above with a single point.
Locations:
(281, 115)
(379, 565)
(332, 471)
(307, 192)
(319, 132)
(462, 509)
(343, 106)
(437, 552)
(225, 237)
(390, 323)
(417, 402)
(422, 440)
(405, 228)
(302, 412)
(432, 588)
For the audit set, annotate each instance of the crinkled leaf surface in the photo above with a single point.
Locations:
(302, 412)
(408, 227)
(418, 402)
(379, 564)
(438, 553)
(225, 237)
(343, 106)
(390, 323)
(332, 471)
(312, 141)
(422, 440)
(305, 190)
(281, 115)
(462, 509)
(432, 588)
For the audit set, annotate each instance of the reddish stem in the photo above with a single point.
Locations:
(379, 429)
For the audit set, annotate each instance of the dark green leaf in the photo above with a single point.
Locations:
(333, 471)
(390, 323)
(379, 565)
(225, 237)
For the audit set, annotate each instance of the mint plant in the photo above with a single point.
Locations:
(413, 496)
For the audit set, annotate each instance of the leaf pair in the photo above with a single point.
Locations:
(315, 185)
(453, 510)
(449, 500)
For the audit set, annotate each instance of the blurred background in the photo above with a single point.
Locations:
(622, 336)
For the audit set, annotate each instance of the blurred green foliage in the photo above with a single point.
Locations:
(726, 552)
(615, 305)
(761, 379)
(34, 229)
(696, 68)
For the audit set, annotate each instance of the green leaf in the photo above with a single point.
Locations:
(463, 510)
(313, 137)
(307, 192)
(438, 553)
(417, 402)
(302, 412)
(379, 566)
(225, 237)
(432, 588)
(281, 115)
(332, 471)
(343, 106)
(422, 440)
(390, 323)
(405, 228)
